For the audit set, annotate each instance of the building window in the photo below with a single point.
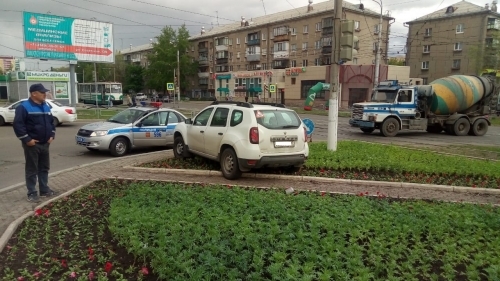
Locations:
(354, 60)
(304, 46)
(428, 32)
(293, 63)
(317, 44)
(279, 31)
(425, 80)
(318, 26)
(304, 63)
(460, 28)
(457, 46)
(357, 25)
(293, 47)
(306, 28)
(280, 46)
(263, 36)
(427, 49)
(376, 29)
(456, 64)
(294, 80)
(237, 41)
(316, 61)
(425, 65)
(326, 41)
(264, 66)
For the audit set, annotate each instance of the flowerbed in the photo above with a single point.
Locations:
(70, 240)
(364, 161)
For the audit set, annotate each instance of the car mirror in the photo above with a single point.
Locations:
(139, 124)
(10, 107)
(188, 121)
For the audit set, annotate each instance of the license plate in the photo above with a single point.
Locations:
(283, 144)
(80, 139)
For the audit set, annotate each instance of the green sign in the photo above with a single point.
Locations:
(39, 76)
(170, 86)
(62, 38)
(272, 88)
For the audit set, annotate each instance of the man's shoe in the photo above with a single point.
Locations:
(48, 194)
(33, 198)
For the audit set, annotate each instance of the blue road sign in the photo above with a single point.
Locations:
(309, 126)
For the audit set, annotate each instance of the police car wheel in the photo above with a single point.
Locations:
(118, 147)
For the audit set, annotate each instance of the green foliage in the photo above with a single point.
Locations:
(163, 59)
(134, 79)
(196, 232)
(485, 55)
(105, 72)
(396, 61)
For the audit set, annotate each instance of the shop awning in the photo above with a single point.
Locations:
(223, 90)
(255, 90)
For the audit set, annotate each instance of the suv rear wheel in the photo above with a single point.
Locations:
(229, 164)
(180, 148)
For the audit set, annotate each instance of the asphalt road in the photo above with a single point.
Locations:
(66, 154)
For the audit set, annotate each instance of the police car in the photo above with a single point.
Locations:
(133, 127)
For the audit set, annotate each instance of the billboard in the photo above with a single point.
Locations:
(61, 38)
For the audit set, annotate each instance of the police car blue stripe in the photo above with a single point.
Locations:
(139, 129)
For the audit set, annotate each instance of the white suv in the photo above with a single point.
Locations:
(244, 136)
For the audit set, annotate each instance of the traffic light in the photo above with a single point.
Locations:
(347, 40)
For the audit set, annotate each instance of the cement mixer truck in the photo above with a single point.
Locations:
(458, 105)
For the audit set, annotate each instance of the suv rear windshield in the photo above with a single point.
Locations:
(277, 119)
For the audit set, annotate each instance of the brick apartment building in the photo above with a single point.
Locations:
(446, 42)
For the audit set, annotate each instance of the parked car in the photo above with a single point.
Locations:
(243, 136)
(140, 97)
(130, 128)
(61, 113)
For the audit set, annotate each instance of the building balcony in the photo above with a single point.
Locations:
(202, 49)
(253, 57)
(279, 38)
(222, 60)
(281, 55)
(327, 30)
(326, 49)
(203, 74)
(203, 61)
(222, 68)
(219, 48)
(281, 63)
(203, 81)
(253, 42)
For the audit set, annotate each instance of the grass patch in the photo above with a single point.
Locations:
(495, 120)
(365, 161)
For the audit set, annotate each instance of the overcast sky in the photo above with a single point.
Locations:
(137, 21)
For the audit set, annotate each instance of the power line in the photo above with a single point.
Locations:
(176, 9)
(12, 48)
(147, 13)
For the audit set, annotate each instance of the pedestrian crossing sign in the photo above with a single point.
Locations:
(170, 86)
(272, 88)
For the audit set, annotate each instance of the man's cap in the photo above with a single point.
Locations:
(38, 88)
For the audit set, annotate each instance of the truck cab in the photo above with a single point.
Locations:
(390, 105)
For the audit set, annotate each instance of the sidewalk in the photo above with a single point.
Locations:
(13, 203)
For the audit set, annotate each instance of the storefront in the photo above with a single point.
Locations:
(57, 82)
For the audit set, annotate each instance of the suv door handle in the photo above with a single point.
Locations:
(202, 132)
(220, 134)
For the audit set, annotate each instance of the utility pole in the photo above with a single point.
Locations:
(333, 110)
(379, 40)
(178, 80)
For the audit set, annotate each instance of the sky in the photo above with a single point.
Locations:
(138, 21)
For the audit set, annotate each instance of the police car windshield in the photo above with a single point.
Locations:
(127, 116)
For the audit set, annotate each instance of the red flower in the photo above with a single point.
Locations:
(99, 202)
(47, 212)
(91, 196)
(72, 274)
(108, 266)
(37, 274)
(38, 212)
(144, 270)
(20, 278)
(91, 251)
(323, 193)
(64, 263)
(91, 275)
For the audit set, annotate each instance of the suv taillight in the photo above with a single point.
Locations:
(254, 135)
(305, 134)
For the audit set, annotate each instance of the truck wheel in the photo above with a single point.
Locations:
(480, 127)
(367, 130)
(229, 164)
(436, 129)
(180, 148)
(461, 127)
(390, 127)
(118, 147)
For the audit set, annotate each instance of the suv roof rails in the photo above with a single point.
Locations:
(238, 103)
(270, 103)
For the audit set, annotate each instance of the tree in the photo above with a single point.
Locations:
(106, 72)
(163, 59)
(484, 55)
(1, 71)
(396, 61)
(60, 69)
(134, 79)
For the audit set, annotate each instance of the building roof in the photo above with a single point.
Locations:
(285, 15)
(135, 49)
(461, 8)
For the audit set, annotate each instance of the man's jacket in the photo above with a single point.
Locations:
(34, 121)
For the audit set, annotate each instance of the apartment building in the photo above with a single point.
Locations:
(137, 54)
(451, 40)
(245, 57)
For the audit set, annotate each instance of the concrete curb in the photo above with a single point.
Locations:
(14, 186)
(449, 188)
(11, 229)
